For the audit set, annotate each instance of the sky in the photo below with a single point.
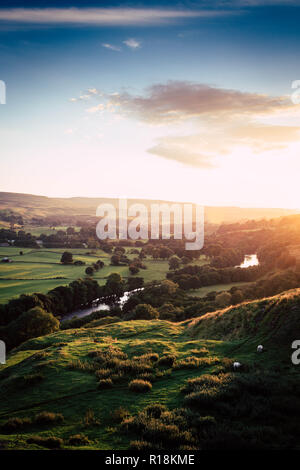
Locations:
(186, 101)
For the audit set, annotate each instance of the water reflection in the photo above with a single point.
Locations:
(249, 260)
(98, 305)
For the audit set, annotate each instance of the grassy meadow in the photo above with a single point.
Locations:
(76, 383)
(39, 270)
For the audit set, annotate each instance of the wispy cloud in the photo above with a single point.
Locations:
(132, 43)
(111, 46)
(223, 120)
(176, 101)
(103, 16)
(218, 120)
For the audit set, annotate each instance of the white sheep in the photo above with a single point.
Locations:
(260, 348)
(236, 365)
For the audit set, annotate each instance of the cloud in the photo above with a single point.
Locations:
(179, 150)
(203, 149)
(94, 109)
(112, 47)
(177, 101)
(103, 16)
(132, 43)
(213, 122)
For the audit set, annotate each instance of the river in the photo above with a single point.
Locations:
(249, 260)
(98, 305)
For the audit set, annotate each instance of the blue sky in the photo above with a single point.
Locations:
(187, 101)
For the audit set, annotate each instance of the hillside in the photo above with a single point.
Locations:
(29, 205)
(274, 319)
(75, 383)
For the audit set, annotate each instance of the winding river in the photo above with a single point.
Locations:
(98, 305)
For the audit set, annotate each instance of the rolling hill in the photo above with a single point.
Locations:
(29, 205)
(71, 389)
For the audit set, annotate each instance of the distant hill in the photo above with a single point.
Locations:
(29, 205)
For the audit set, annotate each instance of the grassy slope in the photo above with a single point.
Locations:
(73, 392)
(274, 319)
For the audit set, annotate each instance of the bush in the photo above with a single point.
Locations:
(140, 446)
(12, 424)
(155, 410)
(78, 439)
(145, 312)
(90, 419)
(120, 414)
(105, 383)
(47, 417)
(167, 360)
(49, 442)
(103, 373)
(139, 386)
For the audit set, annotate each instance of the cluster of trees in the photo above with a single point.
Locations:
(194, 277)
(20, 238)
(90, 270)
(34, 315)
(30, 324)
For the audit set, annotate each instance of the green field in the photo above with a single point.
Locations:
(203, 291)
(40, 270)
(74, 392)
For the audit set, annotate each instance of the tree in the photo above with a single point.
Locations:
(66, 258)
(133, 269)
(237, 297)
(223, 299)
(89, 271)
(115, 260)
(115, 284)
(70, 231)
(35, 322)
(145, 312)
(174, 262)
(135, 283)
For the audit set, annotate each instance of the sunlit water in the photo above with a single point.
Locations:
(97, 305)
(249, 260)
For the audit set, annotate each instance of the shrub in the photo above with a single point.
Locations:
(105, 383)
(77, 364)
(155, 410)
(78, 439)
(140, 446)
(144, 312)
(120, 414)
(192, 362)
(153, 357)
(90, 419)
(47, 417)
(167, 360)
(12, 424)
(139, 386)
(49, 442)
(103, 373)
